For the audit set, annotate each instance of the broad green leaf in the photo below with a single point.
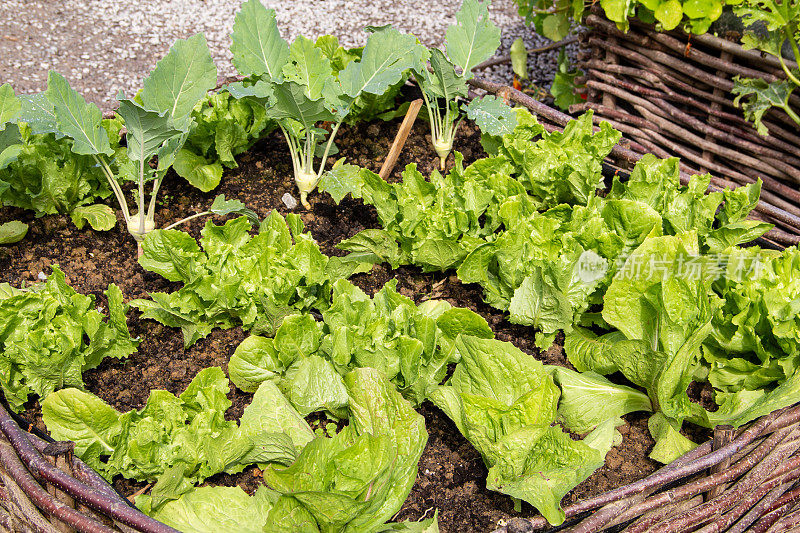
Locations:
(180, 80)
(10, 105)
(541, 465)
(222, 207)
(198, 170)
(443, 82)
(519, 58)
(38, 113)
(376, 408)
(99, 216)
(588, 399)
(290, 101)
(669, 13)
(147, 131)
(271, 412)
(257, 45)
(670, 443)
(386, 56)
(312, 385)
(77, 119)
(253, 362)
(492, 115)
(586, 351)
(761, 97)
(214, 509)
(10, 145)
(84, 419)
(308, 67)
(341, 180)
(11, 232)
(473, 38)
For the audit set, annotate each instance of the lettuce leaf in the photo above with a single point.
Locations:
(232, 278)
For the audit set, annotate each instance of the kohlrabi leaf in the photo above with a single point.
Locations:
(99, 216)
(77, 119)
(588, 399)
(491, 115)
(341, 180)
(291, 101)
(222, 207)
(473, 38)
(257, 46)
(519, 58)
(443, 82)
(386, 56)
(180, 80)
(147, 131)
(38, 113)
(308, 67)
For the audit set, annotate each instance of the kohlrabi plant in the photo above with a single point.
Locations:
(158, 121)
(300, 86)
(10, 146)
(472, 39)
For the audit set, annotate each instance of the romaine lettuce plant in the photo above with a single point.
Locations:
(142, 444)
(411, 345)
(300, 87)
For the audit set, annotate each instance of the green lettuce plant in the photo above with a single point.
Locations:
(50, 335)
(300, 87)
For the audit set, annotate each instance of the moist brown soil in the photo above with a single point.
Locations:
(451, 473)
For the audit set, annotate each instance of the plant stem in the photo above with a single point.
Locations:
(328, 148)
(123, 204)
(788, 72)
(187, 219)
(151, 209)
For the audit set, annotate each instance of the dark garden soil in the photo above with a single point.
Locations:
(451, 474)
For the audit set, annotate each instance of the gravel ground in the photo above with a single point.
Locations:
(104, 46)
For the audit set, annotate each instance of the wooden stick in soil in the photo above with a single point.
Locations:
(400, 138)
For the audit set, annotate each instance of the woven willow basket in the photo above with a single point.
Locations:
(670, 95)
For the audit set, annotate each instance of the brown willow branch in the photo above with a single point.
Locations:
(12, 464)
(758, 476)
(83, 493)
(736, 137)
(776, 510)
(507, 57)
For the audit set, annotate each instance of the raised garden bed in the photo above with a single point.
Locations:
(403, 381)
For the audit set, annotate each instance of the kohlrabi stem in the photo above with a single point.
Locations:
(151, 209)
(140, 202)
(117, 190)
(187, 219)
(328, 148)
